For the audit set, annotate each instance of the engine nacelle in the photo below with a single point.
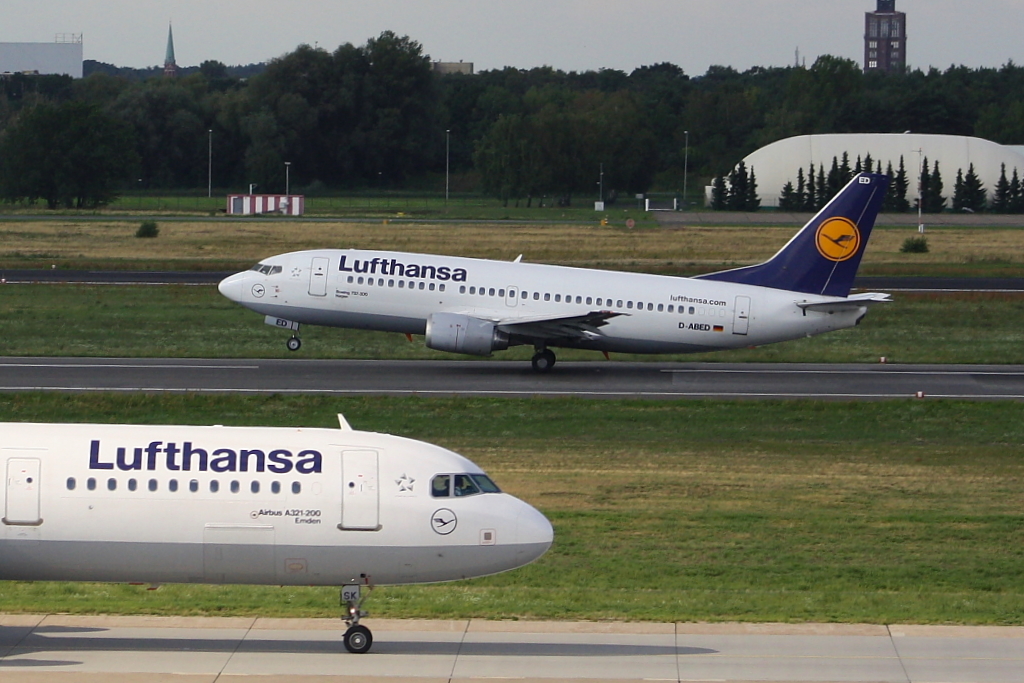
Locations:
(464, 334)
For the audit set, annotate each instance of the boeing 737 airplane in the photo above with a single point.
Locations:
(476, 306)
(253, 505)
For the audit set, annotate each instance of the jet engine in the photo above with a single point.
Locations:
(464, 334)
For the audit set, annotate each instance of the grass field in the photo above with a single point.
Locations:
(189, 245)
(196, 321)
(703, 510)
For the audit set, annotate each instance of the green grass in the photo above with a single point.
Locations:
(880, 512)
(196, 321)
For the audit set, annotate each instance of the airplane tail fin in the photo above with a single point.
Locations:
(824, 256)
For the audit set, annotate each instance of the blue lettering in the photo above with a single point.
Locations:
(311, 463)
(227, 462)
(94, 458)
(151, 450)
(278, 463)
(186, 457)
(243, 459)
(172, 450)
(341, 265)
(122, 461)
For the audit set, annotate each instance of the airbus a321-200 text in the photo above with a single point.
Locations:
(253, 505)
(476, 306)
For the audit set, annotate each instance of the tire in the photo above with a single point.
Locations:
(358, 640)
(294, 344)
(543, 361)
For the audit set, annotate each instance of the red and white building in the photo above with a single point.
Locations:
(246, 204)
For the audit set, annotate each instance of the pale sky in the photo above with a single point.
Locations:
(572, 35)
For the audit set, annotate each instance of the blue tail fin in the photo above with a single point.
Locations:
(823, 257)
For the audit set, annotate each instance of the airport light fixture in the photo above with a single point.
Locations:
(209, 164)
(920, 188)
(447, 162)
(686, 163)
(287, 178)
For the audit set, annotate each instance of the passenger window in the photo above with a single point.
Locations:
(661, 307)
(524, 294)
(214, 486)
(440, 486)
(618, 304)
(360, 281)
(691, 310)
(152, 485)
(391, 283)
(296, 487)
(401, 284)
(90, 484)
(579, 300)
(441, 287)
(234, 487)
(132, 484)
(462, 289)
(254, 487)
(536, 296)
(629, 304)
(350, 279)
(380, 282)
(558, 297)
(422, 285)
(650, 307)
(671, 308)
(490, 292)
(599, 302)
(71, 483)
(547, 297)
(472, 290)
(432, 287)
(193, 486)
(501, 293)
(111, 484)
(464, 486)
(588, 300)
(172, 485)
(275, 487)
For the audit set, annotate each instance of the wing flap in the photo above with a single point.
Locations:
(584, 327)
(847, 303)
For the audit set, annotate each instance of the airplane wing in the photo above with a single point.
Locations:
(847, 303)
(580, 327)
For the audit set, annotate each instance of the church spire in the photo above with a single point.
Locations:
(170, 66)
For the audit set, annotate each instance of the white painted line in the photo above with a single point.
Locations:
(886, 371)
(129, 366)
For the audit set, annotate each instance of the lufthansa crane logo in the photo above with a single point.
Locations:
(838, 239)
(443, 521)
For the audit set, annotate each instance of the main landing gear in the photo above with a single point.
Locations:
(543, 360)
(358, 638)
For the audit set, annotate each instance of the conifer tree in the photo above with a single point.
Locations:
(1001, 198)
(901, 182)
(974, 194)
(958, 190)
(751, 201)
(811, 199)
(844, 171)
(823, 195)
(719, 194)
(934, 201)
(1015, 200)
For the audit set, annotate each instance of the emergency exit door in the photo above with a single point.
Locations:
(318, 276)
(22, 492)
(360, 496)
(741, 316)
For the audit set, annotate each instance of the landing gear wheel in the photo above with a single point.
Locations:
(294, 344)
(358, 639)
(543, 360)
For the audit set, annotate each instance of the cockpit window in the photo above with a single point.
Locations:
(460, 485)
(266, 269)
(441, 486)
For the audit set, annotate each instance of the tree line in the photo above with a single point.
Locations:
(376, 116)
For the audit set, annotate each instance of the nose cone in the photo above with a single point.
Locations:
(231, 286)
(534, 534)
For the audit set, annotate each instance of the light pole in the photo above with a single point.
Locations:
(920, 189)
(209, 164)
(600, 184)
(447, 162)
(287, 178)
(686, 164)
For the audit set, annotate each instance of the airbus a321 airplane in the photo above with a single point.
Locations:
(253, 505)
(476, 306)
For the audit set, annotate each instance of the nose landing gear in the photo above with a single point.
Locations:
(357, 638)
(294, 343)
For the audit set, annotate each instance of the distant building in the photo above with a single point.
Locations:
(453, 67)
(885, 38)
(170, 66)
(62, 57)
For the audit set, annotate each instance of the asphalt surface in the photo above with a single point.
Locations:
(202, 650)
(514, 378)
(127, 277)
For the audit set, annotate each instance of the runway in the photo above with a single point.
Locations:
(515, 378)
(208, 650)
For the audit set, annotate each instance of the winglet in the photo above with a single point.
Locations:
(343, 423)
(824, 256)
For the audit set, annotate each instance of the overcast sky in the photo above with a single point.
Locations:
(572, 35)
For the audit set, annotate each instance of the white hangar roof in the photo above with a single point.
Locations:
(778, 163)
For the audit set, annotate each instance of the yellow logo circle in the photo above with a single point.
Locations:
(838, 239)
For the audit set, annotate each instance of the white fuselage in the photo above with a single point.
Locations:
(250, 505)
(395, 291)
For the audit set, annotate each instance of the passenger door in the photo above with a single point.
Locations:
(741, 316)
(318, 276)
(360, 495)
(23, 485)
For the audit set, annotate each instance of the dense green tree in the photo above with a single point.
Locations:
(70, 155)
(968, 192)
(1001, 197)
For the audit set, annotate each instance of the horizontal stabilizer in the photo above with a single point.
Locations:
(846, 304)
